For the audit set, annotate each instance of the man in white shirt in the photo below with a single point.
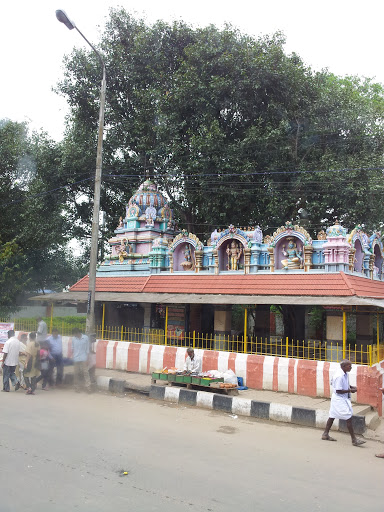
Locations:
(42, 330)
(193, 363)
(11, 352)
(341, 406)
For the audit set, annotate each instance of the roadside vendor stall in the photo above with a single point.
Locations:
(204, 381)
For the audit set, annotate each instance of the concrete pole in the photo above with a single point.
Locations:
(90, 322)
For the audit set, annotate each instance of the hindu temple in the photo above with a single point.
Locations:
(157, 276)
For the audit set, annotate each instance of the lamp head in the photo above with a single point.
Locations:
(63, 18)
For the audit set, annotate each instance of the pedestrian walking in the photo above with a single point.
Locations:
(341, 406)
(45, 366)
(80, 350)
(11, 351)
(56, 350)
(22, 359)
(42, 330)
(92, 360)
(32, 367)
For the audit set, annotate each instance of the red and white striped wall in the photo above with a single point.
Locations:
(302, 377)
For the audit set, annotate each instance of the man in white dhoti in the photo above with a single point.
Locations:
(341, 406)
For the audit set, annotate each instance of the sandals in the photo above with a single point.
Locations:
(328, 438)
(358, 442)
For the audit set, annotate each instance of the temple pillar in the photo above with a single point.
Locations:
(271, 251)
(199, 260)
(334, 335)
(308, 250)
(371, 265)
(352, 259)
(222, 326)
(247, 259)
(216, 260)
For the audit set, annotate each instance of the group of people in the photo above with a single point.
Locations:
(34, 357)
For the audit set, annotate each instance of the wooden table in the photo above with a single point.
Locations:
(214, 388)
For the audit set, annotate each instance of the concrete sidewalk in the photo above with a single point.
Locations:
(276, 406)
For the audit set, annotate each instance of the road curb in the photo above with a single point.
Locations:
(253, 408)
(306, 417)
(120, 385)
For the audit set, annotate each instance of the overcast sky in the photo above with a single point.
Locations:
(343, 36)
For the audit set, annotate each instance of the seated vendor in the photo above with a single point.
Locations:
(193, 362)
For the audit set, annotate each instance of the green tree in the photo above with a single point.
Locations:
(34, 197)
(12, 277)
(230, 126)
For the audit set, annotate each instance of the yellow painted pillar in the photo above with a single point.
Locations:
(344, 334)
(50, 326)
(286, 346)
(166, 326)
(194, 339)
(245, 330)
(102, 322)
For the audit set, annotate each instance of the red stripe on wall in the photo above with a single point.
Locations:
(255, 366)
(133, 357)
(326, 380)
(210, 360)
(368, 382)
(149, 358)
(275, 381)
(232, 362)
(101, 353)
(291, 375)
(169, 357)
(114, 354)
(306, 378)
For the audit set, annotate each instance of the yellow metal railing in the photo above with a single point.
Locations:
(314, 350)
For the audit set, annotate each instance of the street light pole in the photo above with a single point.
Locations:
(90, 324)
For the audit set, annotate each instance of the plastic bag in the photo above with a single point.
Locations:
(215, 374)
(230, 377)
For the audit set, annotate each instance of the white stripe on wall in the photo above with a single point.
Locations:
(122, 355)
(268, 372)
(222, 362)
(282, 374)
(109, 354)
(241, 366)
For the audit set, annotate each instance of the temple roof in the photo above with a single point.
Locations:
(306, 288)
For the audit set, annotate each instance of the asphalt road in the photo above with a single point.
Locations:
(62, 451)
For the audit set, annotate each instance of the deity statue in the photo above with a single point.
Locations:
(120, 225)
(150, 216)
(122, 251)
(187, 253)
(234, 252)
(188, 263)
(294, 257)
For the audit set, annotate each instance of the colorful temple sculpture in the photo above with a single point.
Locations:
(146, 241)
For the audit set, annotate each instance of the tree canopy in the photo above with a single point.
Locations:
(34, 228)
(230, 126)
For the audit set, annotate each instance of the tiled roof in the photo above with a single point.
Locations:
(328, 285)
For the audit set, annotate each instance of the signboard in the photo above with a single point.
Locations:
(4, 328)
